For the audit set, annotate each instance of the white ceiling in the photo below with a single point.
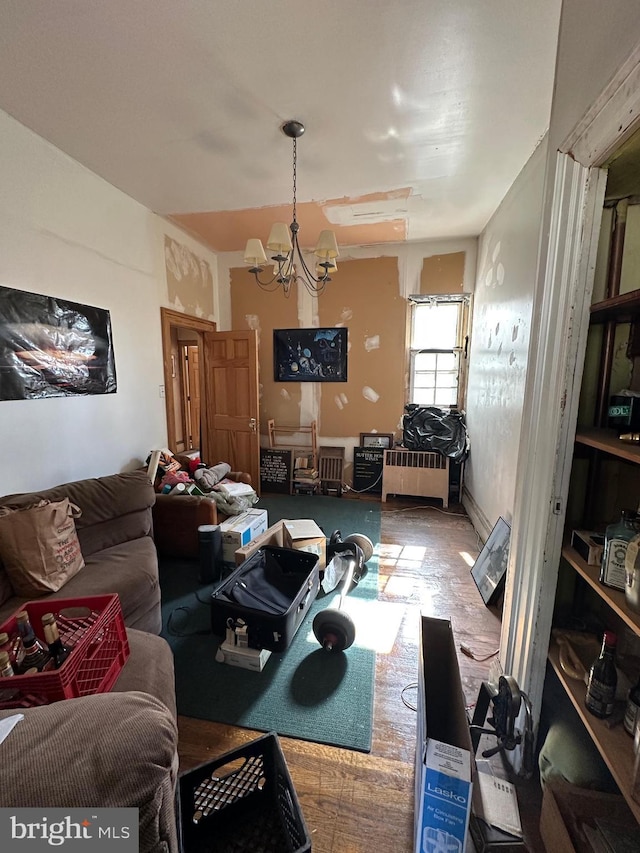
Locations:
(179, 102)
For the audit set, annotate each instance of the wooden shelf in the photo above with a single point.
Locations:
(612, 597)
(607, 440)
(622, 308)
(615, 745)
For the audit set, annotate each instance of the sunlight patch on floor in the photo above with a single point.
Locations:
(398, 586)
(377, 623)
(469, 560)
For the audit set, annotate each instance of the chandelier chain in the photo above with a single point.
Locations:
(295, 159)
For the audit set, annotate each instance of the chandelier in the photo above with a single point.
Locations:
(288, 263)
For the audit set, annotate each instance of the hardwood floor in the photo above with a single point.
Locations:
(354, 802)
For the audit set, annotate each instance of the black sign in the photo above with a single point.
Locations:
(275, 470)
(367, 469)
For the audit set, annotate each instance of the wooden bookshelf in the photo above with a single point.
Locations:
(614, 744)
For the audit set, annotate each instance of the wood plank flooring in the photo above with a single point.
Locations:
(354, 802)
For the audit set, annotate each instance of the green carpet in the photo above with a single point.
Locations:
(305, 692)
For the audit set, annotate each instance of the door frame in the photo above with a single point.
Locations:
(565, 274)
(170, 320)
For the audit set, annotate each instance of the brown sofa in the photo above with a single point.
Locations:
(115, 532)
(117, 748)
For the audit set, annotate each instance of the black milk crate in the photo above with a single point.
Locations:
(243, 802)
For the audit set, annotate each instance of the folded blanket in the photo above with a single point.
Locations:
(207, 478)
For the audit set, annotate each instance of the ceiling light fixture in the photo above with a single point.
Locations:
(288, 262)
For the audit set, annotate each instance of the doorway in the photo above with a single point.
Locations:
(211, 392)
(182, 352)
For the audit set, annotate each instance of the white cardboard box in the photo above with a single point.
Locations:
(444, 757)
(303, 534)
(239, 530)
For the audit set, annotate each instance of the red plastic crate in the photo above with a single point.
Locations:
(100, 650)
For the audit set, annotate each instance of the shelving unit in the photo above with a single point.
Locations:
(598, 444)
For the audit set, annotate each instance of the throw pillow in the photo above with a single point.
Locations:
(39, 546)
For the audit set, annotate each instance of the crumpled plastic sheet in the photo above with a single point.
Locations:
(435, 429)
(53, 348)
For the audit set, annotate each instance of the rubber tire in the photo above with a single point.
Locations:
(335, 622)
(364, 542)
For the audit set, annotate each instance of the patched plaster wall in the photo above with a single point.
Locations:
(500, 337)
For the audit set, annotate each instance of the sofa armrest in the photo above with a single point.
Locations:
(110, 749)
(176, 519)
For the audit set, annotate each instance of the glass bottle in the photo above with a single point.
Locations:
(632, 712)
(7, 646)
(5, 665)
(31, 652)
(603, 679)
(57, 649)
(616, 538)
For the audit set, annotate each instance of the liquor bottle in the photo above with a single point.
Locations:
(57, 649)
(603, 679)
(616, 538)
(31, 652)
(5, 665)
(632, 712)
(7, 646)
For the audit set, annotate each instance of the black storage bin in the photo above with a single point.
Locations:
(271, 592)
(249, 806)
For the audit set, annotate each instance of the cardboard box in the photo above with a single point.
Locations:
(303, 534)
(239, 530)
(245, 658)
(566, 807)
(273, 537)
(444, 754)
(589, 545)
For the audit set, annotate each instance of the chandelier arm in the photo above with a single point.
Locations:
(311, 278)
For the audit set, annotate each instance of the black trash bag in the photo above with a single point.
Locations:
(431, 428)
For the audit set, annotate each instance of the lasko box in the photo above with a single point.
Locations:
(239, 530)
(444, 757)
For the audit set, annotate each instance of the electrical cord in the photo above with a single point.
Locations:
(471, 654)
(412, 686)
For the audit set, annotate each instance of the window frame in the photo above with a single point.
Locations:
(460, 350)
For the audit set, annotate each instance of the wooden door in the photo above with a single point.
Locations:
(231, 394)
(192, 390)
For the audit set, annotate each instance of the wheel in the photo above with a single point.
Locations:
(334, 630)
(364, 542)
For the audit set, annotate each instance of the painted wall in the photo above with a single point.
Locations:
(594, 41)
(67, 233)
(500, 336)
(369, 296)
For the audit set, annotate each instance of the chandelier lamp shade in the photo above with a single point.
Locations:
(285, 255)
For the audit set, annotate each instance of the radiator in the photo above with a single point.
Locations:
(419, 473)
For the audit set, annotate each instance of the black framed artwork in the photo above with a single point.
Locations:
(310, 355)
(490, 569)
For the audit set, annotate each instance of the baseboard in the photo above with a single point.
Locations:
(479, 520)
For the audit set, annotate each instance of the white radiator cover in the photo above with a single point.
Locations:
(419, 473)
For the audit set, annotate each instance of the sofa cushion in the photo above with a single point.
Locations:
(114, 749)
(39, 546)
(114, 508)
(110, 571)
(6, 590)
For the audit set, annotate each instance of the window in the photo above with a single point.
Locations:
(438, 339)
